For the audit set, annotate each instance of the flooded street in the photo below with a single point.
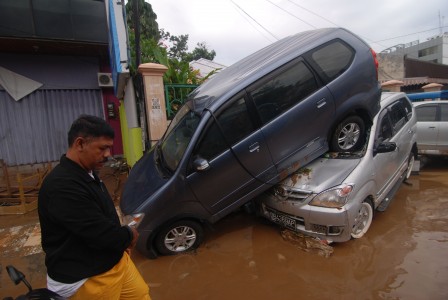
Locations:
(403, 255)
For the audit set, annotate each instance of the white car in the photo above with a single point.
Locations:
(335, 196)
(432, 127)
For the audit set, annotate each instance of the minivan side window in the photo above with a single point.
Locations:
(235, 124)
(332, 59)
(407, 107)
(397, 116)
(385, 132)
(283, 91)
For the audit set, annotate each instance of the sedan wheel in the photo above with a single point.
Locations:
(362, 220)
(179, 237)
(349, 135)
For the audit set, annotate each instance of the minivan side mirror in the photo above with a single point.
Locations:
(385, 147)
(200, 164)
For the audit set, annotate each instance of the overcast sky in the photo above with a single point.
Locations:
(237, 28)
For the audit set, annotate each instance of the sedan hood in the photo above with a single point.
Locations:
(143, 181)
(320, 175)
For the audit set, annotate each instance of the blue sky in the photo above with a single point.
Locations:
(237, 28)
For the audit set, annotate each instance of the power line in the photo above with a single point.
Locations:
(317, 15)
(254, 20)
(251, 24)
(375, 42)
(388, 39)
(311, 12)
(311, 25)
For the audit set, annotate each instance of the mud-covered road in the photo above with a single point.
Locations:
(403, 256)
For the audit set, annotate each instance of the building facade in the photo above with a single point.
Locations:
(435, 49)
(416, 64)
(54, 66)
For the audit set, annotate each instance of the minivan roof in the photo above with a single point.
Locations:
(242, 73)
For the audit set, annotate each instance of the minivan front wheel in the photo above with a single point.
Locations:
(363, 220)
(348, 135)
(179, 237)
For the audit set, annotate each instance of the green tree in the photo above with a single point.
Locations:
(152, 44)
(201, 51)
(177, 45)
(149, 28)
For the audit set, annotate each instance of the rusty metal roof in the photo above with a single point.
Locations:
(420, 80)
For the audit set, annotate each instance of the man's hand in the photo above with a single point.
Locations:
(134, 240)
(134, 237)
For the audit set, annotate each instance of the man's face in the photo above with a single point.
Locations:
(94, 152)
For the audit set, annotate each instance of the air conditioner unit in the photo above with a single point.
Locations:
(105, 79)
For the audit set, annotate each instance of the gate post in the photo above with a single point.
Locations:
(154, 99)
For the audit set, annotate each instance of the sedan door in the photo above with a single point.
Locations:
(394, 126)
(385, 163)
(442, 137)
(427, 126)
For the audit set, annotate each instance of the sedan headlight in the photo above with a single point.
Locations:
(333, 198)
(133, 220)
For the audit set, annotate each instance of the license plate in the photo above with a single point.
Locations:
(283, 220)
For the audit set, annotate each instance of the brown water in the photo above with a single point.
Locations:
(403, 256)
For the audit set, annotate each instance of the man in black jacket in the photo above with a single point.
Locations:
(86, 247)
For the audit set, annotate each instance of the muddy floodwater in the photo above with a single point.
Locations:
(404, 255)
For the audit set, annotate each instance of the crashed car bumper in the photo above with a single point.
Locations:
(329, 224)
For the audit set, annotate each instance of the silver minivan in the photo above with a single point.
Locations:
(334, 197)
(247, 128)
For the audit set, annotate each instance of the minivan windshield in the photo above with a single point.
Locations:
(177, 137)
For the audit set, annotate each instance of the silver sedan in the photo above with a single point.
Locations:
(432, 127)
(334, 197)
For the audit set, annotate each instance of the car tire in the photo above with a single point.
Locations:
(363, 219)
(411, 161)
(179, 237)
(349, 135)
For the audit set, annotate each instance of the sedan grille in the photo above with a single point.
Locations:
(292, 194)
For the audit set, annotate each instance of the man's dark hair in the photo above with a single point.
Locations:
(87, 126)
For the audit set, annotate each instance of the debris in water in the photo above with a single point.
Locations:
(307, 243)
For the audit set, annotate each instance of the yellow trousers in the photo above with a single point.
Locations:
(121, 282)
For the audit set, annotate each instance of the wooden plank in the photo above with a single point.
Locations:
(6, 177)
(22, 198)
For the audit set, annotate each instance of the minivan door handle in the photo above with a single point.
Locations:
(254, 147)
(321, 102)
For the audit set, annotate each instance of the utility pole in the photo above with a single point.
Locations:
(136, 13)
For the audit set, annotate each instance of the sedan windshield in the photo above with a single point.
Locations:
(178, 137)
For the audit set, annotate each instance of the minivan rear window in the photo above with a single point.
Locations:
(332, 59)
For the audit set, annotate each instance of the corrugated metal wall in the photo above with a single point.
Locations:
(34, 129)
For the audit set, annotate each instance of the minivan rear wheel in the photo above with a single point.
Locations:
(348, 135)
(179, 237)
